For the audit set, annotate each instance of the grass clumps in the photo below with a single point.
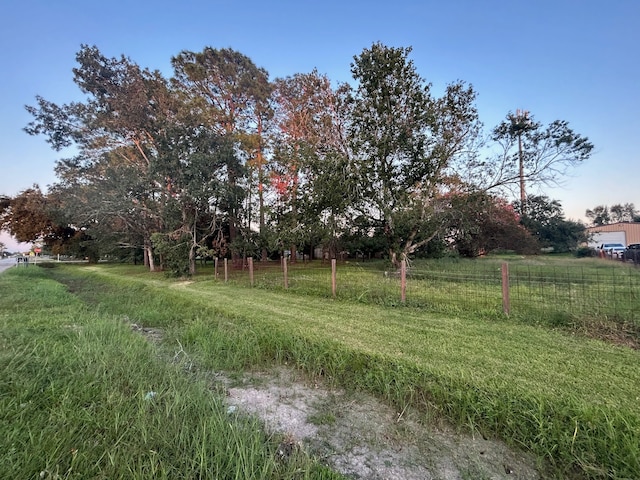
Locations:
(81, 396)
(570, 400)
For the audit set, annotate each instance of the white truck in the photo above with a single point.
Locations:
(600, 238)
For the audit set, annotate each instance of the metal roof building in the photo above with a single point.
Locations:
(631, 229)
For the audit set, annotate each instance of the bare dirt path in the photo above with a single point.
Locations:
(363, 438)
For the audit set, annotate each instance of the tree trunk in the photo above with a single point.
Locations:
(393, 256)
(148, 249)
(192, 259)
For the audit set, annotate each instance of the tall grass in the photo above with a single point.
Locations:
(572, 401)
(81, 396)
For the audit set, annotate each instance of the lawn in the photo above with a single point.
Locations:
(572, 401)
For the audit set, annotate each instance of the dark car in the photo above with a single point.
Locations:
(632, 252)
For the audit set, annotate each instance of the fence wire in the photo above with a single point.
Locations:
(536, 292)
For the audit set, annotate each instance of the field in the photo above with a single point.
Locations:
(540, 384)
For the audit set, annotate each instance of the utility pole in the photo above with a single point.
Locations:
(520, 122)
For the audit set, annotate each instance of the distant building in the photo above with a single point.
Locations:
(630, 231)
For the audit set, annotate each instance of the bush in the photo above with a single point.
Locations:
(583, 252)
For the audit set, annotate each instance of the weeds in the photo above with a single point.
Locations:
(571, 401)
(81, 396)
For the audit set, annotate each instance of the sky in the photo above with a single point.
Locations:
(573, 60)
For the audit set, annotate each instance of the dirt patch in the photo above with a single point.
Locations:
(355, 433)
(363, 438)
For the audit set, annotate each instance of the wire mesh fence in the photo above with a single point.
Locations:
(542, 292)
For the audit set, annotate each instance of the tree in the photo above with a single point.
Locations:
(531, 153)
(482, 223)
(228, 92)
(623, 213)
(599, 215)
(603, 214)
(311, 168)
(32, 216)
(115, 129)
(404, 141)
(194, 161)
(27, 217)
(544, 219)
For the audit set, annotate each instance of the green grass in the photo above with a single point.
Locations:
(76, 399)
(570, 400)
(556, 291)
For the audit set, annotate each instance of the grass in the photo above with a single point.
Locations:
(570, 400)
(81, 396)
(557, 291)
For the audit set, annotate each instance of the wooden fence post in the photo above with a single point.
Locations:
(506, 302)
(226, 271)
(333, 277)
(403, 281)
(250, 261)
(286, 273)
(215, 268)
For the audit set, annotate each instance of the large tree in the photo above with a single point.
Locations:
(32, 216)
(229, 94)
(544, 219)
(311, 168)
(404, 141)
(528, 153)
(117, 127)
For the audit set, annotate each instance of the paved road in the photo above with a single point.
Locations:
(6, 263)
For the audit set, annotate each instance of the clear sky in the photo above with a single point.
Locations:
(575, 60)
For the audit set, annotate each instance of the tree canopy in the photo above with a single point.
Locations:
(220, 160)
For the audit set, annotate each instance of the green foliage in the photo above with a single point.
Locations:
(403, 140)
(174, 252)
(544, 219)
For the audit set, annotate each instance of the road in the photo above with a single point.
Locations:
(6, 263)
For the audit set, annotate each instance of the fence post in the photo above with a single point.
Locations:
(506, 302)
(226, 271)
(403, 281)
(215, 268)
(333, 277)
(250, 261)
(286, 273)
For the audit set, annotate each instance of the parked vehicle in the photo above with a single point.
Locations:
(612, 250)
(632, 252)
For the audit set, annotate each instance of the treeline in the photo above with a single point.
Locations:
(220, 160)
(604, 215)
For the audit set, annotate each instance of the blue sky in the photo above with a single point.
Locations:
(575, 60)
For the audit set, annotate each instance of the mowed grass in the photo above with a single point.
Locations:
(551, 290)
(572, 401)
(82, 396)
